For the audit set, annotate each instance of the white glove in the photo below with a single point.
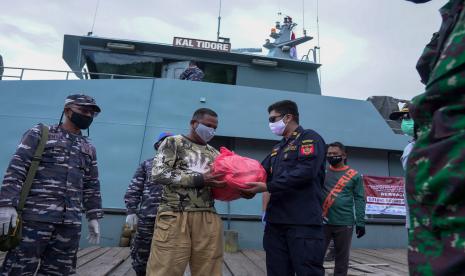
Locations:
(94, 232)
(8, 216)
(131, 221)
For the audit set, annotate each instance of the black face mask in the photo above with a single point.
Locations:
(334, 160)
(81, 121)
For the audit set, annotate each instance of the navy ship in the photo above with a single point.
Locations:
(138, 87)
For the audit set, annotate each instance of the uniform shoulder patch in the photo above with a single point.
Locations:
(307, 149)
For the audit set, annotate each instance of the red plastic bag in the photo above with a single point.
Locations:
(237, 171)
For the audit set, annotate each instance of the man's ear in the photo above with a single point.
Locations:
(289, 117)
(67, 112)
(194, 124)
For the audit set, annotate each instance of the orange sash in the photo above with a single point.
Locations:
(341, 183)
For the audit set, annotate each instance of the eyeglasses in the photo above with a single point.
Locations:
(272, 119)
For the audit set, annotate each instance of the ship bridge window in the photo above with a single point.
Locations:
(122, 64)
(218, 73)
(214, 72)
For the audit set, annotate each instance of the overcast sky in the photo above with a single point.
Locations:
(368, 47)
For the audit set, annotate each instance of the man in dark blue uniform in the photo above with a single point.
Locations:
(293, 238)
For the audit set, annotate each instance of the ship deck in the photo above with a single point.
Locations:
(115, 261)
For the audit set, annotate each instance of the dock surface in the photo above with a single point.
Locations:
(116, 261)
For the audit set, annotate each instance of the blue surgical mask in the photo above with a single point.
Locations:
(407, 127)
(205, 133)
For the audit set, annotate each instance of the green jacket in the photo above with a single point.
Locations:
(345, 189)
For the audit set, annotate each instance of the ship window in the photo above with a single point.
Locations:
(122, 64)
(218, 73)
(213, 72)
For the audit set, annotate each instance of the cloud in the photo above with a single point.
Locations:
(367, 47)
(26, 26)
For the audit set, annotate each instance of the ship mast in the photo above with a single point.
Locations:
(219, 24)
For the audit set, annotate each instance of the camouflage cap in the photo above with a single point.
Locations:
(160, 139)
(163, 135)
(83, 100)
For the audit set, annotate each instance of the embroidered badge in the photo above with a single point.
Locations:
(307, 149)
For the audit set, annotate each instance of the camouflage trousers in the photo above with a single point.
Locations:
(54, 245)
(140, 246)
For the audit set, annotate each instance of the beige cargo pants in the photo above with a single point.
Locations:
(186, 237)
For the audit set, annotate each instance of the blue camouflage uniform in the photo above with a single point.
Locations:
(192, 74)
(293, 239)
(145, 193)
(66, 183)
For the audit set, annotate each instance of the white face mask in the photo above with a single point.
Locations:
(278, 127)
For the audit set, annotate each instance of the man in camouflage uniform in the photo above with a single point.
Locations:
(66, 181)
(192, 73)
(436, 165)
(187, 228)
(142, 199)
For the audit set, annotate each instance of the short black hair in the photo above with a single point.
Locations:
(193, 62)
(285, 107)
(199, 113)
(338, 145)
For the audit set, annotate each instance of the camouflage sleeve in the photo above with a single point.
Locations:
(165, 172)
(92, 200)
(183, 75)
(16, 172)
(134, 193)
(359, 199)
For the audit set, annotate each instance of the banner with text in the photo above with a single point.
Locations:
(384, 195)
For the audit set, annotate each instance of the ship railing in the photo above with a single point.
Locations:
(312, 52)
(66, 74)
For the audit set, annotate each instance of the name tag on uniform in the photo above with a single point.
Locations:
(290, 148)
(53, 137)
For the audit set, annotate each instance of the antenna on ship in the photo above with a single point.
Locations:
(219, 24)
(218, 37)
(318, 36)
(303, 18)
(95, 17)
